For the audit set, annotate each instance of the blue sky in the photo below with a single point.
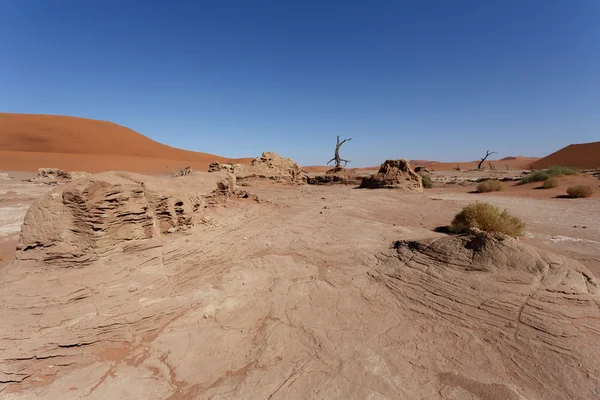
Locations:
(440, 80)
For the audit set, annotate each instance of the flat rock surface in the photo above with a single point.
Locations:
(315, 292)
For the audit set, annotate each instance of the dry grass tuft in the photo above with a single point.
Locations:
(490, 186)
(486, 217)
(426, 179)
(550, 183)
(578, 191)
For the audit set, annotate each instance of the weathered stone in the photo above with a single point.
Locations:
(394, 174)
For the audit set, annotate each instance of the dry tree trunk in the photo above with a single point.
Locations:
(338, 160)
(487, 154)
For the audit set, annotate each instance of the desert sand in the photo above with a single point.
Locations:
(248, 283)
(31, 141)
(582, 156)
(127, 286)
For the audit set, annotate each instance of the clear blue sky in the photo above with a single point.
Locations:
(442, 80)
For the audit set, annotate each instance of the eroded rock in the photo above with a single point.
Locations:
(394, 174)
(269, 166)
(336, 175)
(54, 176)
(89, 218)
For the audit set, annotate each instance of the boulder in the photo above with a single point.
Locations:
(394, 174)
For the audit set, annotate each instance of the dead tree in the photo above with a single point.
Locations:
(487, 154)
(491, 166)
(338, 160)
(457, 167)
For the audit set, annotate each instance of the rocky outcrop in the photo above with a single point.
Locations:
(531, 306)
(54, 176)
(217, 166)
(394, 174)
(336, 175)
(82, 221)
(269, 166)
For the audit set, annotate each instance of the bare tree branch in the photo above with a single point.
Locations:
(487, 154)
(338, 160)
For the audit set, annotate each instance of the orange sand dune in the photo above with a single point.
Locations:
(583, 156)
(31, 141)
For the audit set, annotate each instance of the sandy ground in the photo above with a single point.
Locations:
(279, 300)
(569, 225)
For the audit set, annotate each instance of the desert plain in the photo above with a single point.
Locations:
(249, 283)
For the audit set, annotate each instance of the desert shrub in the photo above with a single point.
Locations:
(488, 218)
(553, 170)
(490, 186)
(550, 183)
(579, 191)
(538, 176)
(427, 182)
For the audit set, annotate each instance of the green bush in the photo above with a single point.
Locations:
(578, 191)
(427, 182)
(556, 170)
(553, 170)
(488, 218)
(550, 183)
(538, 176)
(490, 186)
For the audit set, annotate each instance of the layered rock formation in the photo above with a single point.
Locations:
(82, 221)
(269, 166)
(394, 174)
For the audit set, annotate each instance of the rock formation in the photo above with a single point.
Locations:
(530, 306)
(54, 176)
(89, 218)
(394, 174)
(269, 166)
(336, 175)
(217, 166)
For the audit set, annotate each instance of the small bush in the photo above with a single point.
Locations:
(550, 183)
(427, 182)
(538, 176)
(553, 170)
(579, 191)
(490, 186)
(488, 218)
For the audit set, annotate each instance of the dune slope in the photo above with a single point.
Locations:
(30, 141)
(584, 156)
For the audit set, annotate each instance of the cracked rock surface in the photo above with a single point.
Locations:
(279, 300)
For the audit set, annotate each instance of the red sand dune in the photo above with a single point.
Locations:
(582, 156)
(30, 141)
